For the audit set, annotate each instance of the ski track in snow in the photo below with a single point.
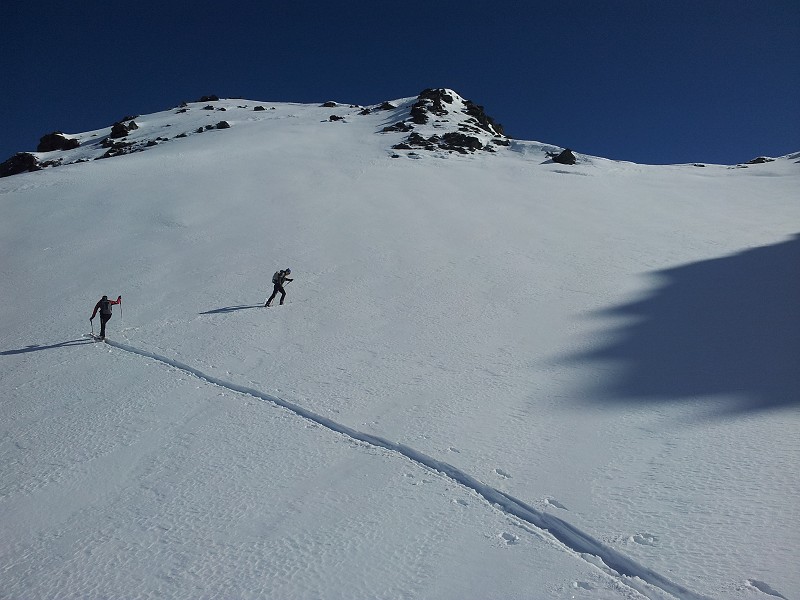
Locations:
(571, 537)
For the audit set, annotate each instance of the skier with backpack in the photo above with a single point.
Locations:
(104, 306)
(278, 279)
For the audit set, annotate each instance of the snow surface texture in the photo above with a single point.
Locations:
(494, 376)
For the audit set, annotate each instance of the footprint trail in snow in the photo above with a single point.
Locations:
(571, 537)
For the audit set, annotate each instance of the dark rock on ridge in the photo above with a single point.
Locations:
(438, 103)
(399, 126)
(566, 157)
(56, 141)
(120, 129)
(452, 141)
(486, 122)
(21, 162)
(25, 162)
(459, 141)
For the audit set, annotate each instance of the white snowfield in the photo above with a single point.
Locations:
(494, 376)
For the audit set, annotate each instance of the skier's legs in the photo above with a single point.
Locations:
(275, 291)
(103, 320)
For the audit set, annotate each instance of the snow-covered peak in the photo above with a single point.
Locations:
(438, 122)
(440, 119)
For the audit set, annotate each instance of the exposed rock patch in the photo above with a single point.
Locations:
(485, 121)
(451, 141)
(21, 162)
(465, 126)
(120, 129)
(56, 141)
(399, 126)
(565, 157)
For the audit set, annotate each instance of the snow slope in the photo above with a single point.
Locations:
(494, 376)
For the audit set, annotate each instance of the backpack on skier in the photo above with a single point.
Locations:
(105, 307)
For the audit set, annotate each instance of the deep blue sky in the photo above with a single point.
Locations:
(646, 81)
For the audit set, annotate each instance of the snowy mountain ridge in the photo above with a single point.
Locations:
(461, 126)
(437, 121)
(494, 375)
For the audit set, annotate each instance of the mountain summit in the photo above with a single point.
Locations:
(436, 120)
(438, 123)
(450, 123)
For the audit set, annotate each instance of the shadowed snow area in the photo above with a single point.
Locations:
(728, 327)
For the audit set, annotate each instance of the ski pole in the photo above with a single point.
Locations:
(92, 322)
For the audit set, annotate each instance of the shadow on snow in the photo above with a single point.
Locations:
(726, 326)
(37, 347)
(228, 309)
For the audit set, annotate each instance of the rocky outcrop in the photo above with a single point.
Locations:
(399, 126)
(566, 157)
(21, 162)
(56, 141)
(452, 141)
(120, 129)
(116, 148)
(484, 121)
(430, 102)
(466, 126)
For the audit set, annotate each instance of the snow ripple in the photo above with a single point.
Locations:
(570, 536)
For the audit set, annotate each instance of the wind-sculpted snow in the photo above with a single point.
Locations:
(570, 536)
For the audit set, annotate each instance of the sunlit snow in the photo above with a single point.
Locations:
(494, 376)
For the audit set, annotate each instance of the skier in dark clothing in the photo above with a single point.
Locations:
(278, 280)
(104, 306)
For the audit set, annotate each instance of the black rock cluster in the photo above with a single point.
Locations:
(56, 141)
(435, 104)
